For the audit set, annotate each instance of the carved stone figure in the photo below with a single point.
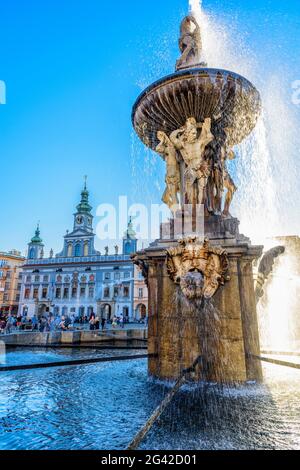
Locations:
(116, 250)
(190, 43)
(106, 250)
(228, 181)
(168, 151)
(144, 267)
(198, 268)
(191, 142)
(265, 268)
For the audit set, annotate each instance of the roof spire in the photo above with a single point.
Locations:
(130, 233)
(37, 238)
(84, 206)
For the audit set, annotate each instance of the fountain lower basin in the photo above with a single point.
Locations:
(102, 407)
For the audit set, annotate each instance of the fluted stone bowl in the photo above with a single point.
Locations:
(228, 98)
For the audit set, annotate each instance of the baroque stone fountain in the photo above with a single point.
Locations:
(200, 272)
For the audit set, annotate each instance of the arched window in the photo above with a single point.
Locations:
(86, 249)
(31, 253)
(77, 249)
(70, 250)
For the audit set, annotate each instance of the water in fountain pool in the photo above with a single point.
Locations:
(103, 406)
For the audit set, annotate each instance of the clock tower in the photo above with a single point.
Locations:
(129, 240)
(80, 242)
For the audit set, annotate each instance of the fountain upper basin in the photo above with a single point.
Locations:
(229, 99)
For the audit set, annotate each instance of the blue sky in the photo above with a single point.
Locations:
(73, 70)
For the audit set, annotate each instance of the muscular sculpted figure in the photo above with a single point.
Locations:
(191, 142)
(168, 151)
(228, 183)
(190, 43)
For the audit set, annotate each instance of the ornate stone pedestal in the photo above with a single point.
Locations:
(223, 329)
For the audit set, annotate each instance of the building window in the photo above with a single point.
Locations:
(126, 291)
(27, 293)
(70, 250)
(7, 286)
(116, 291)
(141, 293)
(73, 310)
(5, 297)
(8, 275)
(65, 311)
(17, 297)
(107, 276)
(106, 292)
(86, 249)
(117, 276)
(46, 279)
(82, 291)
(35, 293)
(44, 293)
(28, 278)
(91, 292)
(125, 312)
(31, 253)
(66, 293)
(74, 292)
(77, 250)
(19, 286)
(58, 293)
(36, 278)
(127, 275)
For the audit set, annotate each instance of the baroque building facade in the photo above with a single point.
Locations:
(79, 280)
(10, 281)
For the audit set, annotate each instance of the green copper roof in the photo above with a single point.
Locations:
(37, 238)
(84, 206)
(130, 233)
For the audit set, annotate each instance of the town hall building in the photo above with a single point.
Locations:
(80, 280)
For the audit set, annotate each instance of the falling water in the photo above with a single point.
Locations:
(265, 170)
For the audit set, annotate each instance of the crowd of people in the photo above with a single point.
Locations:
(47, 323)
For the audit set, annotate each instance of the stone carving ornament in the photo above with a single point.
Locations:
(198, 268)
(190, 43)
(186, 145)
(196, 167)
